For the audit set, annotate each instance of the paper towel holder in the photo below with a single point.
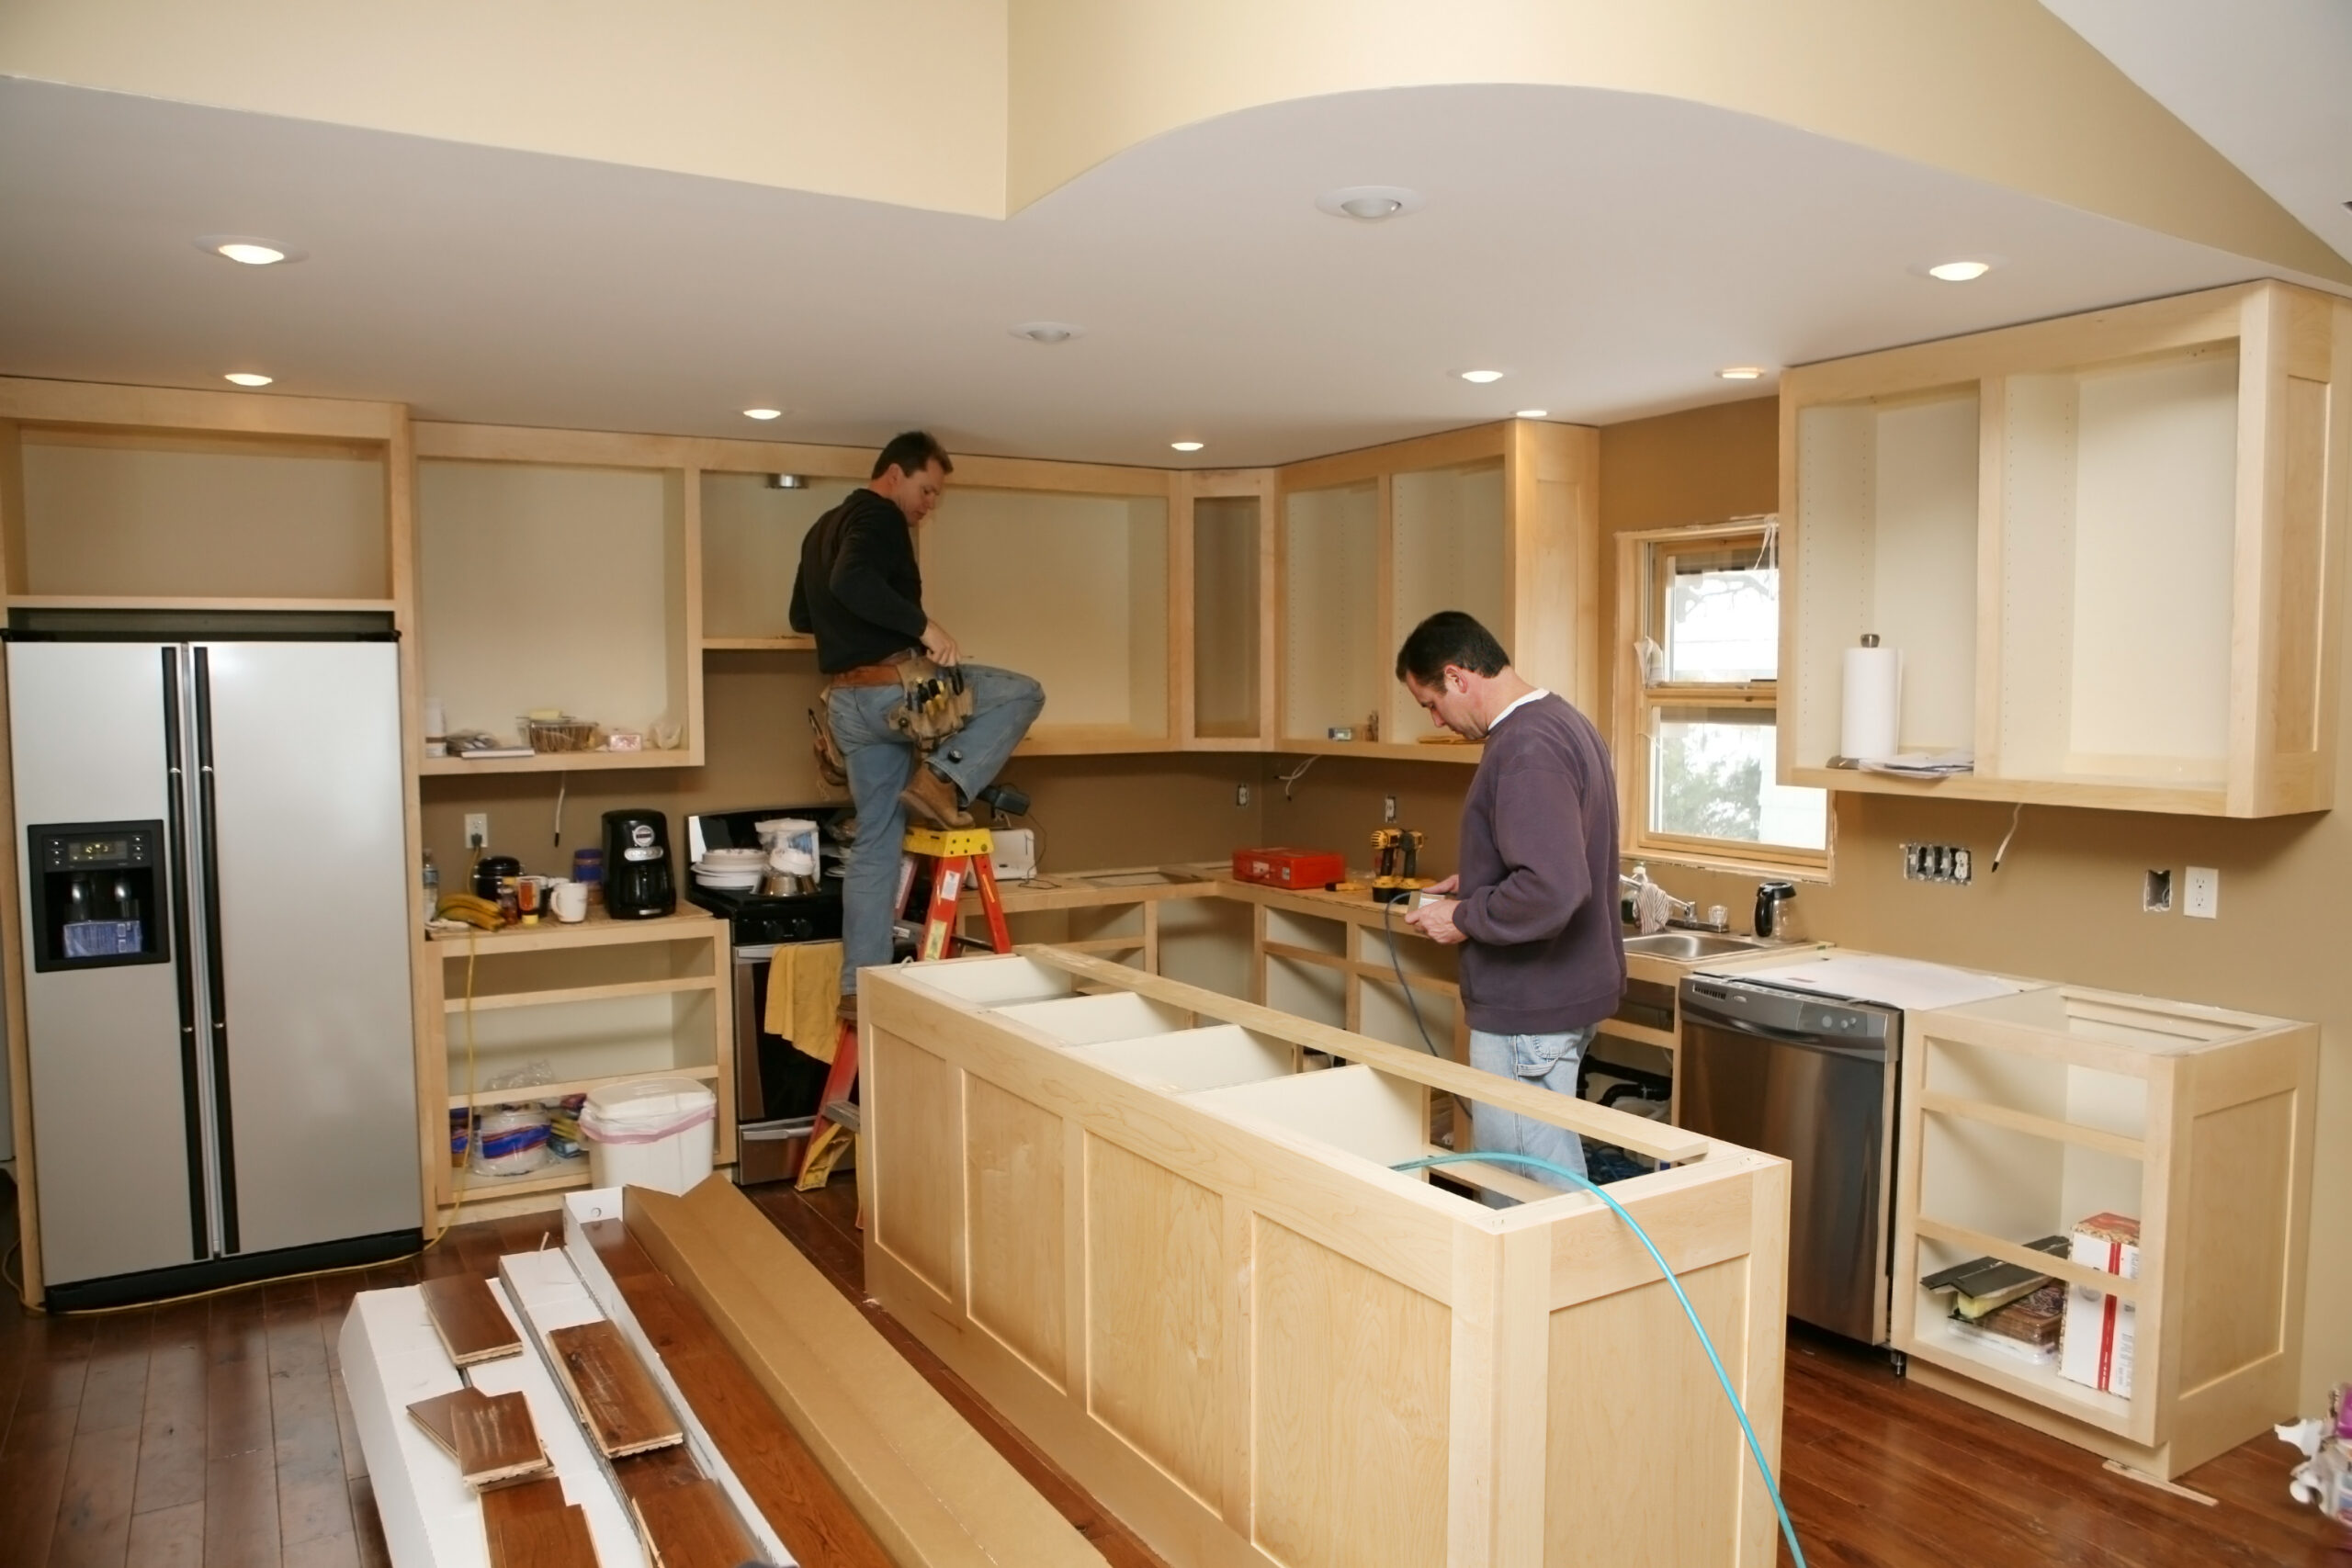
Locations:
(1870, 639)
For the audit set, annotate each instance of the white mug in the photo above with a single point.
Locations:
(569, 899)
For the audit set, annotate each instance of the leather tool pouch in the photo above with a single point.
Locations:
(830, 767)
(936, 704)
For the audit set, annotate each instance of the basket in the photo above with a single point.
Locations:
(562, 734)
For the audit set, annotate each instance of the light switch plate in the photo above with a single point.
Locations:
(2202, 896)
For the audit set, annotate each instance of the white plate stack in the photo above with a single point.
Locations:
(732, 870)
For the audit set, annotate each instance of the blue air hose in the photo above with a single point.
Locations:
(1788, 1530)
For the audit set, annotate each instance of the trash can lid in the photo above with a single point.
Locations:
(647, 1101)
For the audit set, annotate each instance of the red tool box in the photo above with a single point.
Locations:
(1289, 868)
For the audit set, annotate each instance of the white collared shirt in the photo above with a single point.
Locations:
(1538, 694)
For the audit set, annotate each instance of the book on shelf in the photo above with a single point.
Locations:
(1984, 1285)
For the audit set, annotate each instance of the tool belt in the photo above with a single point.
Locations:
(936, 704)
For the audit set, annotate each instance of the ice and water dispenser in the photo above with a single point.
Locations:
(97, 894)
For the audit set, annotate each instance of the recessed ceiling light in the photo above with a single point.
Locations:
(1482, 377)
(249, 249)
(1533, 413)
(247, 379)
(1369, 204)
(1185, 446)
(762, 413)
(1048, 333)
(1741, 373)
(1959, 271)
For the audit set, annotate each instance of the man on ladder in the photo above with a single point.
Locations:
(918, 732)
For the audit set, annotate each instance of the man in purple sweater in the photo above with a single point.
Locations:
(1534, 903)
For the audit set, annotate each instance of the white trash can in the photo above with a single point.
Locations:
(650, 1132)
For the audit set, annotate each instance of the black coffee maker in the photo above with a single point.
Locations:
(638, 883)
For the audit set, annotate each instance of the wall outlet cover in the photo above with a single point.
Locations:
(2201, 894)
(1241, 795)
(477, 829)
(1388, 808)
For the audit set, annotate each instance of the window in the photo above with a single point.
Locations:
(1698, 658)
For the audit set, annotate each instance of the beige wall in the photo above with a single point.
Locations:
(984, 105)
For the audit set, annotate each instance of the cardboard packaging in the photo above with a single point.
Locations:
(1289, 868)
(2094, 1346)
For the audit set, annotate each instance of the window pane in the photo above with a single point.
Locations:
(1711, 777)
(1723, 616)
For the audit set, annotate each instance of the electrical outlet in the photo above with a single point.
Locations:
(1388, 808)
(1241, 795)
(2202, 896)
(2155, 893)
(1949, 863)
(477, 829)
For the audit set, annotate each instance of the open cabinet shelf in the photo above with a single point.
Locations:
(2107, 547)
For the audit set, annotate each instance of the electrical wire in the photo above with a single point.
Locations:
(562, 787)
(1292, 777)
(1388, 926)
(1755, 1447)
(2015, 818)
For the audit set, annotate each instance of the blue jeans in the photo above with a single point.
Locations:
(1548, 1060)
(880, 760)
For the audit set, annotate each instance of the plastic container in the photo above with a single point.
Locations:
(650, 1132)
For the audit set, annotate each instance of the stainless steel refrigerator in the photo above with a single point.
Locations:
(214, 892)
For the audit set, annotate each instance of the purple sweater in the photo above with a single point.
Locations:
(1539, 867)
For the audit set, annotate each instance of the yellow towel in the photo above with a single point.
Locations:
(804, 992)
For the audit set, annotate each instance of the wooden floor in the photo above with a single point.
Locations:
(214, 1431)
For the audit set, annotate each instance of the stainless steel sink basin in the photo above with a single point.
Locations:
(1689, 946)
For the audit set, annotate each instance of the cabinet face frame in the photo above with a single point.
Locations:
(2286, 535)
(1194, 487)
(1552, 572)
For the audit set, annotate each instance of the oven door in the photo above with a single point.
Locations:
(776, 1086)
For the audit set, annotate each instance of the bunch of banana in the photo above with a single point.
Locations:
(473, 911)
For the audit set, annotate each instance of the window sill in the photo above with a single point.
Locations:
(1701, 858)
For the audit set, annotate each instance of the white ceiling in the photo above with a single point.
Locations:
(1610, 250)
(2266, 82)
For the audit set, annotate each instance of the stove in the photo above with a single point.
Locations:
(778, 1087)
(759, 920)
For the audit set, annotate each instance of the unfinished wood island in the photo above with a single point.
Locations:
(1158, 1228)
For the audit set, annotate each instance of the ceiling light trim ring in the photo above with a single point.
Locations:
(219, 245)
(1371, 204)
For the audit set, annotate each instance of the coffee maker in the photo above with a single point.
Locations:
(638, 885)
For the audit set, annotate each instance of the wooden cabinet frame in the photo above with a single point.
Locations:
(2292, 491)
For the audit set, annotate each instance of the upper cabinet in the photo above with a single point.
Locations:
(2107, 547)
(132, 497)
(1499, 521)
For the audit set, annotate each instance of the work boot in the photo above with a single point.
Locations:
(930, 798)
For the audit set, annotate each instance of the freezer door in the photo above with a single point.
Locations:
(307, 830)
(110, 1101)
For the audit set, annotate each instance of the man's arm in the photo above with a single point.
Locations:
(861, 579)
(800, 618)
(1539, 833)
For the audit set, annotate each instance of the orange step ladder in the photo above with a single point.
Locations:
(960, 858)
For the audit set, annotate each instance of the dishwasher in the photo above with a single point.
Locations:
(1809, 1077)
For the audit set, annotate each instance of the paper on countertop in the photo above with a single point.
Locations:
(1896, 982)
(1920, 765)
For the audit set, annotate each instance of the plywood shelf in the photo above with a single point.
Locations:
(597, 931)
(574, 994)
(183, 605)
(534, 1093)
(790, 642)
(562, 762)
(1387, 751)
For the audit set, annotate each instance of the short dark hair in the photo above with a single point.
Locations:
(1449, 637)
(911, 452)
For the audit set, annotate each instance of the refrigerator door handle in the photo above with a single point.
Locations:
(183, 960)
(216, 982)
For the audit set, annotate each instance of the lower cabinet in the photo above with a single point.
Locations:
(1172, 1251)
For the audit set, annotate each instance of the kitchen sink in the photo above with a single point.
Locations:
(1687, 947)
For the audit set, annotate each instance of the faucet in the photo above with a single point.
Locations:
(1681, 913)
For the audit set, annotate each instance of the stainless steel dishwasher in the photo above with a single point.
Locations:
(1810, 1078)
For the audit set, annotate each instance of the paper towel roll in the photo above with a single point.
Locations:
(1866, 728)
(435, 723)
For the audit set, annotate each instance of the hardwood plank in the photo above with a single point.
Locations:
(554, 1538)
(241, 1508)
(495, 1442)
(468, 1319)
(368, 1526)
(32, 1478)
(690, 1526)
(114, 1391)
(236, 1378)
(800, 1501)
(168, 1538)
(93, 1527)
(313, 1495)
(170, 1439)
(618, 1403)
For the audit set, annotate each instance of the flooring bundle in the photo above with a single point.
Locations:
(622, 1410)
(490, 1435)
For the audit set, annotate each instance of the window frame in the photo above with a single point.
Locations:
(1643, 576)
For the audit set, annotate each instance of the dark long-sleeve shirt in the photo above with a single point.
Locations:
(858, 588)
(1539, 865)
